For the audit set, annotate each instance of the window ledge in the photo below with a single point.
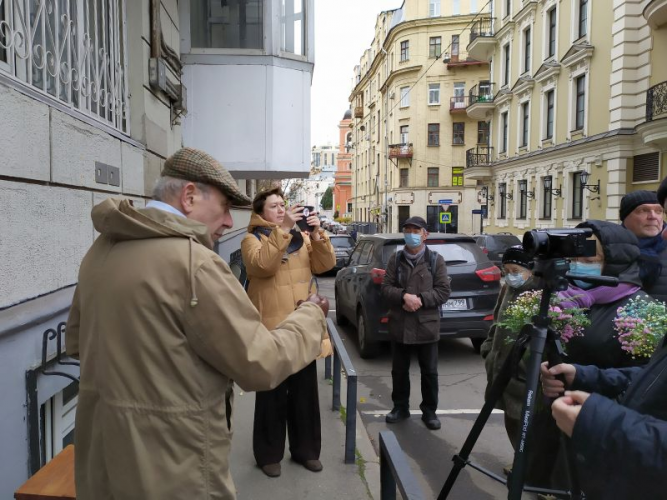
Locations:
(458, 145)
(434, 104)
(547, 142)
(433, 145)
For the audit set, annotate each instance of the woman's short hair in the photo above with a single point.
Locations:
(260, 198)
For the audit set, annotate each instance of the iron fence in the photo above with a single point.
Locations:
(395, 471)
(656, 101)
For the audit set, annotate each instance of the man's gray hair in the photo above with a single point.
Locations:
(167, 188)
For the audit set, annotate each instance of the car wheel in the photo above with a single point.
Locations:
(341, 320)
(367, 348)
(477, 344)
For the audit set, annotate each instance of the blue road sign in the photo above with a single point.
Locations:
(445, 218)
(445, 202)
(477, 212)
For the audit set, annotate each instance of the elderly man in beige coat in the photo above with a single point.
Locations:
(163, 329)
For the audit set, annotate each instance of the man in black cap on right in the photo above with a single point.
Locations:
(641, 213)
(415, 286)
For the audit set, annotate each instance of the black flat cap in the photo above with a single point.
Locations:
(415, 221)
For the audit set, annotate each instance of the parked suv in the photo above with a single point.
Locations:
(494, 245)
(475, 284)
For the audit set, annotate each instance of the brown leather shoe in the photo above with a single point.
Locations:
(271, 470)
(313, 465)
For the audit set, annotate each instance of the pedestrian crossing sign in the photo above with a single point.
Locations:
(445, 218)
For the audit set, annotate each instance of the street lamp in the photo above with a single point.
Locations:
(593, 188)
(547, 181)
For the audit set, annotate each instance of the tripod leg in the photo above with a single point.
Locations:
(497, 389)
(538, 337)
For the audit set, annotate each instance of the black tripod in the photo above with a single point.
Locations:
(539, 337)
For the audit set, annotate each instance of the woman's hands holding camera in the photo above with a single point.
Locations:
(292, 216)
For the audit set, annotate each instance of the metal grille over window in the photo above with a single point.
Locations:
(71, 50)
(646, 167)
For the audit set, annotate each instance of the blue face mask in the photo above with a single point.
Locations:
(515, 280)
(586, 269)
(412, 240)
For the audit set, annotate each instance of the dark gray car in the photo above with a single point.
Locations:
(343, 246)
(494, 245)
(475, 284)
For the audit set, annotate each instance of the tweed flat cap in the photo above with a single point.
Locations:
(197, 166)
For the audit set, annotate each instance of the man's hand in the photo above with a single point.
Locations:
(411, 302)
(314, 221)
(551, 386)
(565, 410)
(292, 216)
(320, 300)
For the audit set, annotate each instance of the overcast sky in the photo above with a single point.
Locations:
(343, 30)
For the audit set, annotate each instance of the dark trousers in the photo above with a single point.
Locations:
(427, 354)
(293, 405)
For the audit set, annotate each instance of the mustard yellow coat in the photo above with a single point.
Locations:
(278, 281)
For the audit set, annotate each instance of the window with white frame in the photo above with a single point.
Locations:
(456, 7)
(507, 8)
(459, 95)
(84, 66)
(504, 129)
(547, 197)
(405, 50)
(293, 25)
(234, 24)
(502, 196)
(434, 8)
(57, 421)
(580, 102)
(551, 32)
(523, 199)
(405, 131)
(549, 115)
(506, 64)
(433, 94)
(582, 18)
(434, 46)
(577, 196)
(525, 124)
(405, 97)
(527, 49)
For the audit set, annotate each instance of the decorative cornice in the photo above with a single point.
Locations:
(523, 85)
(528, 10)
(577, 54)
(548, 70)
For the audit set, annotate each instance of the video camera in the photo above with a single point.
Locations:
(559, 243)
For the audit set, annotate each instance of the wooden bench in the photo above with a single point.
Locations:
(54, 480)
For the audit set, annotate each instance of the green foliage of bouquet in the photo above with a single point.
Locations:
(641, 324)
(569, 322)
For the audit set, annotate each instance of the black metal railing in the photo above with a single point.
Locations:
(395, 471)
(479, 156)
(402, 150)
(656, 101)
(481, 28)
(458, 103)
(482, 92)
(340, 356)
(57, 334)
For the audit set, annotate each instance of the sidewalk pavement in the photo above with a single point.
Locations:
(358, 481)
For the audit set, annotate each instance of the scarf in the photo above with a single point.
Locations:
(650, 267)
(578, 297)
(413, 259)
(294, 245)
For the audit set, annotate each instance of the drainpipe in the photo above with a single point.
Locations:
(156, 29)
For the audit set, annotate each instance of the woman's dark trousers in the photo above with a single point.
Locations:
(293, 406)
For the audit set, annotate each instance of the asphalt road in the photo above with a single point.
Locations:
(462, 382)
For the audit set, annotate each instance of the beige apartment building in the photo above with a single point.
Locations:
(410, 130)
(577, 106)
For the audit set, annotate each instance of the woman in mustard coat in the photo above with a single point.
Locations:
(280, 263)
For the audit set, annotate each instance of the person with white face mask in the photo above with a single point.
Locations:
(495, 350)
(617, 254)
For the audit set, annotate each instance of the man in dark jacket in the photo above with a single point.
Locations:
(621, 447)
(415, 286)
(642, 214)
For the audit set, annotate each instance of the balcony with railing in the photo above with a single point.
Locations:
(478, 162)
(480, 101)
(459, 103)
(403, 150)
(482, 40)
(654, 129)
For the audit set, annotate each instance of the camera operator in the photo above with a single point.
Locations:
(621, 447)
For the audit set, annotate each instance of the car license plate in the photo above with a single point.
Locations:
(455, 305)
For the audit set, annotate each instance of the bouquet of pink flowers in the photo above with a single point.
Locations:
(641, 324)
(568, 323)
